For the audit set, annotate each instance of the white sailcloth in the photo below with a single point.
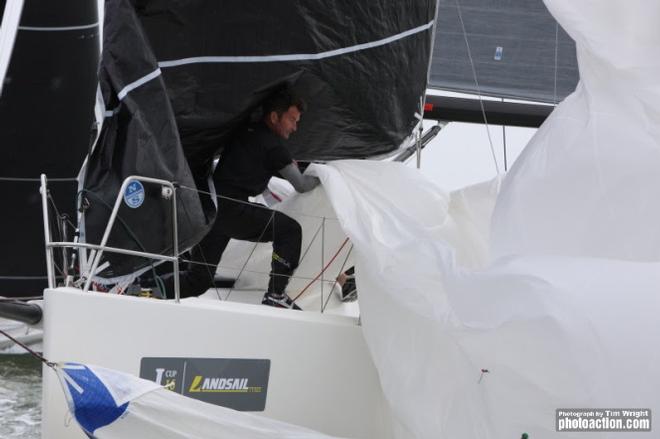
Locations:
(109, 404)
(565, 313)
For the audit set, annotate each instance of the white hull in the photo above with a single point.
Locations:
(321, 373)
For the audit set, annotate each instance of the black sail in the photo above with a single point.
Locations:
(139, 137)
(46, 122)
(361, 67)
(517, 48)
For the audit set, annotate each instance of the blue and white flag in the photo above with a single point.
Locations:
(108, 404)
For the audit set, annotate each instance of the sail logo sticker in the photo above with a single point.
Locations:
(208, 384)
(166, 378)
(498, 53)
(134, 194)
(236, 383)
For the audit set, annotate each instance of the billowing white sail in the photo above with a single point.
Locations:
(588, 183)
(565, 313)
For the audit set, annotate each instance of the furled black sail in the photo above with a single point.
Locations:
(139, 137)
(46, 118)
(518, 50)
(360, 66)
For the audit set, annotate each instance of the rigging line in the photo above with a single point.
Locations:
(322, 260)
(302, 258)
(208, 266)
(224, 197)
(58, 28)
(123, 223)
(23, 277)
(295, 56)
(50, 180)
(271, 220)
(59, 230)
(556, 58)
(57, 214)
(506, 165)
(323, 270)
(30, 351)
(189, 261)
(341, 270)
(476, 82)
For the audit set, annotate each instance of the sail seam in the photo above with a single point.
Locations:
(135, 84)
(296, 56)
(58, 28)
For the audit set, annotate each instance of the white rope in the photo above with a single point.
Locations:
(296, 56)
(474, 74)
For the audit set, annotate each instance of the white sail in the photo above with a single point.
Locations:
(564, 314)
(111, 405)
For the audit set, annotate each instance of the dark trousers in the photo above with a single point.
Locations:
(247, 222)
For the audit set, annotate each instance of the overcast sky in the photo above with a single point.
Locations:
(460, 155)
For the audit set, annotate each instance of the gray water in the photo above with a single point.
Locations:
(20, 397)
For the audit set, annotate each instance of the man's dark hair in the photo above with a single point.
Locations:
(281, 102)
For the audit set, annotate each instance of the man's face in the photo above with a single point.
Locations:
(285, 124)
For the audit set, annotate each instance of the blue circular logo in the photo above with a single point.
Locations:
(134, 194)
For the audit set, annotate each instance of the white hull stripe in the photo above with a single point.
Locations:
(58, 29)
(294, 57)
(135, 84)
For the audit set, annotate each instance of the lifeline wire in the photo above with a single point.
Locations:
(341, 270)
(189, 261)
(323, 270)
(271, 220)
(224, 197)
(37, 180)
(211, 275)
